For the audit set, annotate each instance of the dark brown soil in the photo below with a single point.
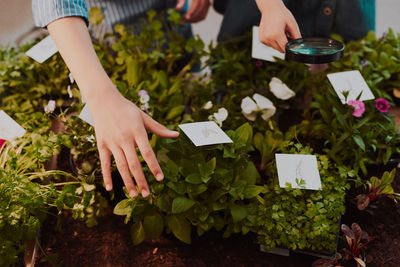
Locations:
(109, 244)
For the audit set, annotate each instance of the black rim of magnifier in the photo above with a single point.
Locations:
(314, 59)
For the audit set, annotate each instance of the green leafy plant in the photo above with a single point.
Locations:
(205, 187)
(346, 139)
(377, 188)
(28, 193)
(300, 219)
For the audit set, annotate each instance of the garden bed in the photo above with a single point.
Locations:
(109, 244)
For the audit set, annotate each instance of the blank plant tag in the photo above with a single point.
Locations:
(261, 51)
(9, 129)
(86, 115)
(352, 82)
(301, 171)
(205, 133)
(43, 50)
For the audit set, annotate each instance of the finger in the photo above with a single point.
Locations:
(293, 29)
(148, 154)
(281, 43)
(158, 128)
(136, 169)
(123, 169)
(180, 4)
(201, 11)
(105, 161)
(192, 10)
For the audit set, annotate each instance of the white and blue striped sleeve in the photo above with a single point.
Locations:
(46, 11)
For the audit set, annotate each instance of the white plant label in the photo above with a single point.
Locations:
(43, 50)
(352, 82)
(301, 171)
(205, 133)
(86, 115)
(262, 51)
(9, 129)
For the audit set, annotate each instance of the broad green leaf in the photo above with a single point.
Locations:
(245, 133)
(175, 112)
(193, 178)
(137, 233)
(132, 72)
(250, 173)
(123, 207)
(180, 227)
(181, 204)
(164, 203)
(253, 191)
(359, 141)
(178, 187)
(153, 225)
(238, 212)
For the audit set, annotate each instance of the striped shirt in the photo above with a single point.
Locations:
(115, 11)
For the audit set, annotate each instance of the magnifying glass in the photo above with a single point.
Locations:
(314, 50)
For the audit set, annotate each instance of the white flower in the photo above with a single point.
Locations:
(280, 90)
(267, 107)
(50, 107)
(145, 106)
(208, 105)
(144, 99)
(251, 108)
(248, 105)
(219, 116)
(71, 78)
(69, 91)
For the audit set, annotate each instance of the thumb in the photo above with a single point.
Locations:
(158, 128)
(180, 4)
(293, 29)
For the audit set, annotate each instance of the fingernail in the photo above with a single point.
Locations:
(160, 176)
(133, 194)
(108, 187)
(145, 193)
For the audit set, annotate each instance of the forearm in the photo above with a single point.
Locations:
(75, 46)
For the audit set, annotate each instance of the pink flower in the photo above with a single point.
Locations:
(258, 63)
(142, 93)
(382, 105)
(2, 141)
(358, 106)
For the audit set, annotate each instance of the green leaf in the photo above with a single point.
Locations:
(123, 207)
(245, 133)
(137, 233)
(252, 191)
(175, 112)
(181, 204)
(95, 16)
(164, 203)
(193, 178)
(238, 212)
(175, 88)
(250, 173)
(132, 71)
(153, 225)
(180, 227)
(359, 141)
(178, 187)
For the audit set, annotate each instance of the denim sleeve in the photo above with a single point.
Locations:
(46, 11)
